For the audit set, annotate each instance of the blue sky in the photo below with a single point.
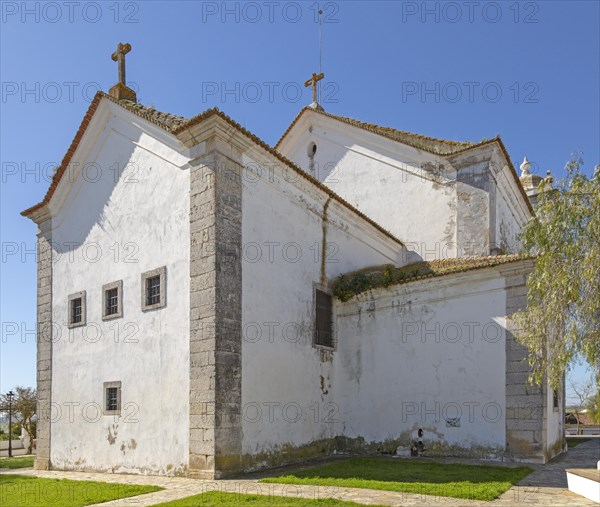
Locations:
(528, 71)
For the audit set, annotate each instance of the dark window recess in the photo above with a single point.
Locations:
(555, 398)
(112, 398)
(153, 290)
(112, 301)
(324, 319)
(76, 307)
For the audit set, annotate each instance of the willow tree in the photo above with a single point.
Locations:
(561, 324)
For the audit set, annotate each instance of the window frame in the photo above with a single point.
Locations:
(105, 288)
(72, 297)
(106, 387)
(162, 273)
(325, 290)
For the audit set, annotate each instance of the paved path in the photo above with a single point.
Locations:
(546, 486)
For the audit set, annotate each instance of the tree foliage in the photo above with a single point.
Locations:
(24, 406)
(562, 321)
(594, 406)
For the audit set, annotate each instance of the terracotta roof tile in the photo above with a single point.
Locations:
(257, 140)
(167, 121)
(67, 158)
(431, 144)
(348, 285)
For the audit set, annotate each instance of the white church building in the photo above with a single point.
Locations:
(208, 304)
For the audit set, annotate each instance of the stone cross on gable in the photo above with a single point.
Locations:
(313, 82)
(121, 91)
(119, 56)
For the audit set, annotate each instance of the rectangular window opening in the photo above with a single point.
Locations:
(112, 398)
(112, 301)
(323, 319)
(76, 310)
(153, 290)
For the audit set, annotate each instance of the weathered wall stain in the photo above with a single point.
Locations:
(323, 278)
(112, 434)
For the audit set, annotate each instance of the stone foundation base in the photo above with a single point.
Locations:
(41, 464)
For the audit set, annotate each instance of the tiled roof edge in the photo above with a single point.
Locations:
(193, 121)
(453, 266)
(364, 126)
(257, 140)
(67, 158)
(452, 153)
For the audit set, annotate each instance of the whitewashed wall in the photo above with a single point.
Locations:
(386, 181)
(415, 355)
(293, 394)
(413, 193)
(288, 389)
(507, 227)
(126, 225)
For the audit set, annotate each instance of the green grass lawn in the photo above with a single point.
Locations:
(20, 490)
(18, 462)
(218, 499)
(472, 482)
(574, 442)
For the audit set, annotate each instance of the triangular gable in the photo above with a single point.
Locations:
(176, 125)
(429, 144)
(439, 147)
(68, 156)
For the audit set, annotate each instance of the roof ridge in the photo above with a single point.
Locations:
(168, 121)
(257, 140)
(68, 155)
(388, 133)
(177, 129)
(413, 134)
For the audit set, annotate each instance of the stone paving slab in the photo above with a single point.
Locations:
(546, 486)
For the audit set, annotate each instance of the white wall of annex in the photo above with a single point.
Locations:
(123, 223)
(428, 355)
(288, 389)
(392, 184)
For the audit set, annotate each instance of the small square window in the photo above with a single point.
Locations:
(112, 300)
(76, 306)
(112, 398)
(323, 319)
(154, 289)
(76, 310)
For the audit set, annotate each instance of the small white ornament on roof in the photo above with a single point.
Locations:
(525, 165)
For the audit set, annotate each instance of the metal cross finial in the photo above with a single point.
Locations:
(119, 56)
(313, 82)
